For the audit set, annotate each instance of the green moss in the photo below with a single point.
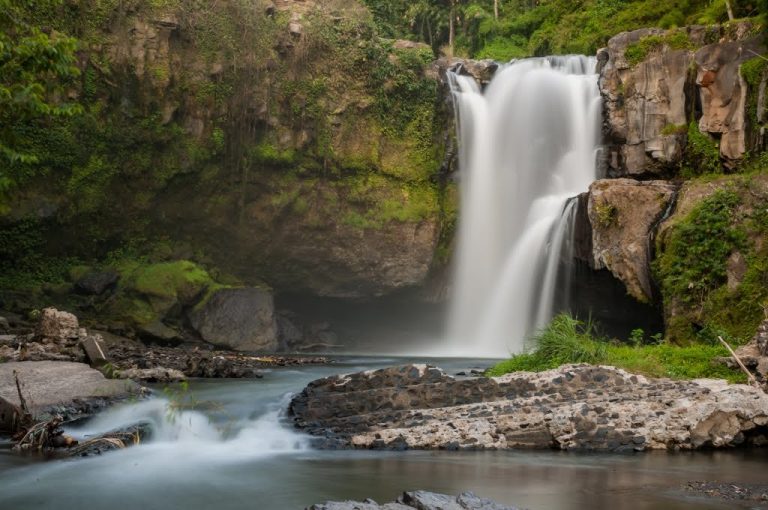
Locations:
(674, 129)
(567, 340)
(702, 154)
(180, 279)
(693, 260)
(754, 71)
(605, 213)
(639, 51)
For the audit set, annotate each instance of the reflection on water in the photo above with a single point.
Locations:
(239, 454)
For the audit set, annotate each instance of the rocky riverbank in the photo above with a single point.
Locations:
(574, 407)
(59, 337)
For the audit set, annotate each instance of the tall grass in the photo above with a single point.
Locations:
(567, 340)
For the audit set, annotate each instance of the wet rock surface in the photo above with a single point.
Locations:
(421, 500)
(575, 407)
(60, 388)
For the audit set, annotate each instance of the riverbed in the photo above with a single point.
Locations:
(230, 447)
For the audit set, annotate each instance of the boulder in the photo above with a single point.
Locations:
(56, 387)
(57, 326)
(152, 375)
(95, 350)
(574, 407)
(238, 319)
(97, 282)
(624, 214)
(421, 500)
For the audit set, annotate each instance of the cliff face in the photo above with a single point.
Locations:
(686, 103)
(281, 142)
(656, 83)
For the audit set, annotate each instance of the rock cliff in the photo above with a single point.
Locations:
(656, 82)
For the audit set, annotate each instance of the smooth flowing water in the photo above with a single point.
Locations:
(235, 452)
(527, 144)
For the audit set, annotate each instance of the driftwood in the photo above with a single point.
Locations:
(750, 376)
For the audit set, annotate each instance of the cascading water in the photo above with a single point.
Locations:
(526, 146)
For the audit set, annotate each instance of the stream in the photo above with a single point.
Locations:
(235, 451)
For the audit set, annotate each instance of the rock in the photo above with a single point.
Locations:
(641, 101)
(736, 269)
(95, 350)
(723, 93)
(57, 326)
(5, 326)
(574, 407)
(648, 104)
(152, 375)
(239, 319)
(10, 415)
(291, 337)
(159, 331)
(421, 500)
(97, 282)
(66, 388)
(624, 214)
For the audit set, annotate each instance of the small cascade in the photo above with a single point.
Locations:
(194, 436)
(527, 145)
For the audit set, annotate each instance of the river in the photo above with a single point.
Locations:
(236, 451)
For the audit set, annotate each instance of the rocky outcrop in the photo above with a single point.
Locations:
(575, 407)
(64, 388)
(652, 81)
(623, 215)
(420, 500)
(238, 319)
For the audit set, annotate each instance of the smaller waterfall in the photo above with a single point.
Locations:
(526, 146)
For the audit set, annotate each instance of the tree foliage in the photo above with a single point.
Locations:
(37, 65)
(538, 27)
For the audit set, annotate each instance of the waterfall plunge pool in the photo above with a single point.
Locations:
(236, 452)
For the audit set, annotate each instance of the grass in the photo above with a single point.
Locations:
(567, 340)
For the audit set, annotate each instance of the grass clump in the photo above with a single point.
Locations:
(567, 340)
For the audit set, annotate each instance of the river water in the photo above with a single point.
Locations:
(236, 451)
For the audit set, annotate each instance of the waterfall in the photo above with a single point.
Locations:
(527, 144)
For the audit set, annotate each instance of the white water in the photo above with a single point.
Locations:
(527, 145)
(193, 439)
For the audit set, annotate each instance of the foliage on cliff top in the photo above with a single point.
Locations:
(526, 28)
(567, 340)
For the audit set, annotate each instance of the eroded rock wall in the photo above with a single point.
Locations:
(656, 82)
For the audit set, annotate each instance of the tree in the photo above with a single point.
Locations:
(36, 65)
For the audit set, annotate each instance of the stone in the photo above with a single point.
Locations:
(238, 319)
(57, 326)
(736, 269)
(152, 375)
(158, 331)
(574, 407)
(97, 282)
(10, 415)
(623, 215)
(95, 350)
(420, 500)
(57, 387)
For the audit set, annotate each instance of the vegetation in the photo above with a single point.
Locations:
(36, 67)
(568, 340)
(520, 28)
